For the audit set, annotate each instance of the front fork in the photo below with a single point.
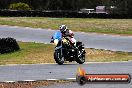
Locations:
(81, 52)
(61, 50)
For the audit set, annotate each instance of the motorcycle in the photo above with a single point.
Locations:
(66, 51)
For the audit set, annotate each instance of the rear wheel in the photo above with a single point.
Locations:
(80, 57)
(58, 57)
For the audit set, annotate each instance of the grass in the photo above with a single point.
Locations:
(30, 53)
(112, 26)
(36, 53)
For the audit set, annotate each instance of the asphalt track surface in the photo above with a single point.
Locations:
(54, 71)
(91, 40)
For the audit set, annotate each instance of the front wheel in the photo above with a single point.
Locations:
(58, 57)
(80, 57)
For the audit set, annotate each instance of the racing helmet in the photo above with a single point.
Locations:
(63, 28)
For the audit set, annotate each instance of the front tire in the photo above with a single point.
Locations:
(58, 57)
(80, 57)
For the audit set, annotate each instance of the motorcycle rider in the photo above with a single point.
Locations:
(64, 32)
(67, 33)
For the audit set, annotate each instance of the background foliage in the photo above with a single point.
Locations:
(122, 6)
(19, 6)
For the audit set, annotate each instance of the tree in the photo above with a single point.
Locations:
(19, 6)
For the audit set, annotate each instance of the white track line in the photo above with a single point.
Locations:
(52, 79)
(9, 81)
(65, 79)
(71, 78)
(65, 63)
(29, 80)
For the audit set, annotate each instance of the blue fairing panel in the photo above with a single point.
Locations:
(57, 35)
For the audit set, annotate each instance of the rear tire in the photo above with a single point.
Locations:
(58, 57)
